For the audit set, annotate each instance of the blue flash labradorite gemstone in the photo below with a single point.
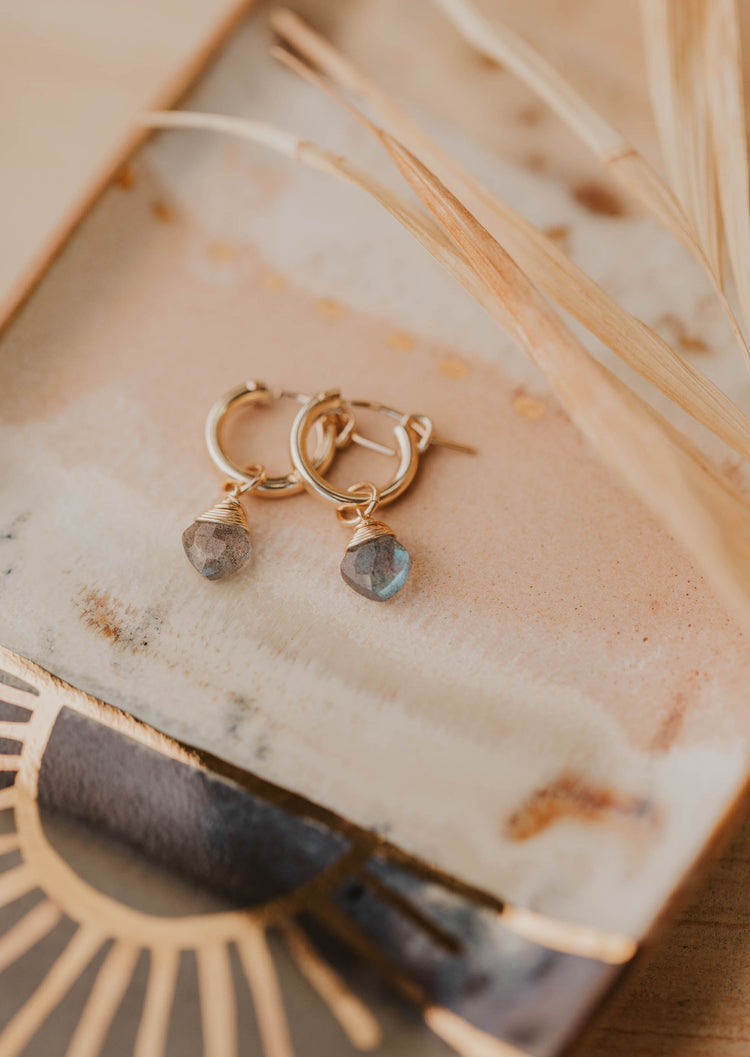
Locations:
(215, 550)
(378, 568)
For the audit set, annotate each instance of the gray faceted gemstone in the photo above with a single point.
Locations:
(216, 550)
(378, 568)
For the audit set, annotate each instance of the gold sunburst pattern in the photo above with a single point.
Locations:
(141, 877)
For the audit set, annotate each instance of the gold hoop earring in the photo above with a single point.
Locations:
(375, 564)
(217, 543)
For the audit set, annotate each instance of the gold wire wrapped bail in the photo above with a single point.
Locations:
(369, 530)
(228, 511)
(359, 516)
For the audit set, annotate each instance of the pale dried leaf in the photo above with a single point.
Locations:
(723, 76)
(690, 497)
(674, 33)
(496, 41)
(545, 263)
(622, 160)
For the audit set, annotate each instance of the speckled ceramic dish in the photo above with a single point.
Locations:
(493, 783)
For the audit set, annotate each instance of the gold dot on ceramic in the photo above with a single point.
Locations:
(400, 341)
(125, 178)
(222, 251)
(273, 281)
(162, 212)
(528, 406)
(330, 309)
(453, 367)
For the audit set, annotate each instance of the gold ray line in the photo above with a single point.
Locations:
(53, 988)
(358, 1023)
(11, 695)
(111, 983)
(430, 873)
(453, 1029)
(402, 905)
(568, 937)
(10, 729)
(217, 1000)
(464, 1038)
(39, 921)
(8, 842)
(360, 942)
(9, 762)
(14, 883)
(157, 1007)
(260, 971)
(8, 797)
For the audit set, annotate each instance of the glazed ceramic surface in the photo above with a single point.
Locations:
(554, 707)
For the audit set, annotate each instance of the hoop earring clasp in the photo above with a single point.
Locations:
(257, 393)
(330, 405)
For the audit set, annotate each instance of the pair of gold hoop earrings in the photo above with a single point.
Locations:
(375, 564)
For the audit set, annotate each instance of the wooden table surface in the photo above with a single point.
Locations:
(690, 997)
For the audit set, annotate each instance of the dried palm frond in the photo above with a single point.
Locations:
(546, 264)
(698, 505)
(722, 68)
(674, 39)
(414, 220)
(690, 497)
(622, 160)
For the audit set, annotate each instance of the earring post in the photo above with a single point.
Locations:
(365, 442)
(452, 445)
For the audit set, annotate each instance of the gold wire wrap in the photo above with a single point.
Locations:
(369, 530)
(228, 511)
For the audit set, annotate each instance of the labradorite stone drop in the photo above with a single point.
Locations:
(377, 568)
(216, 550)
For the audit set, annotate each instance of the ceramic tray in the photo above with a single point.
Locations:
(436, 825)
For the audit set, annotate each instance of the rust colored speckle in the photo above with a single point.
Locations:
(162, 212)
(453, 367)
(125, 178)
(528, 406)
(330, 309)
(536, 161)
(223, 251)
(103, 614)
(531, 115)
(488, 62)
(671, 725)
(571, 797)
(733, 469)
(273, 282)
(598, 199)
(112, 619)
(687, 342)
(400, 341)
(559, 233)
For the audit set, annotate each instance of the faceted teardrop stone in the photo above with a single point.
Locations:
(377, 568)
(216, 550)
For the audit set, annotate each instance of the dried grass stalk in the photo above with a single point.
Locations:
(690, 497)
(674, 38)
(632, 340)
(623, 161)
(414, 220)
(498, 42)
(723, 76)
